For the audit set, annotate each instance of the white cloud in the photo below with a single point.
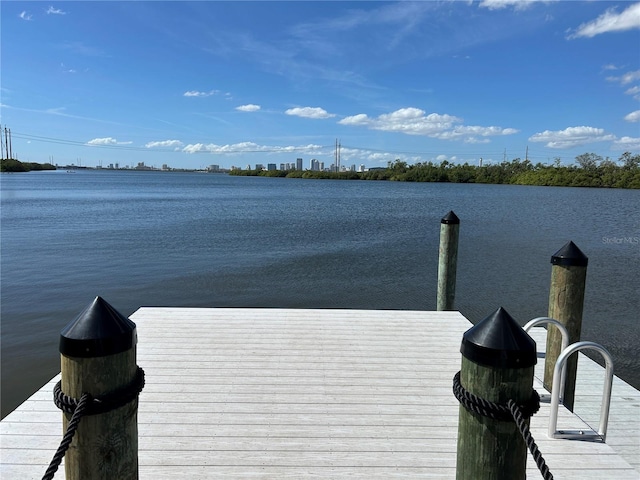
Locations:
(635, 91)
(627, 78)
(55, 11)
(517, 4)
(359, 119)
(470, 134)
(309, 112)
(474, 140)
(414, 121)
(165, 143)
(24, 15)
(451, 159)
(361, 154)
(248, 147)
(411, 121)
(248, 108)
(102, 141)
(572, 137)
(195, 148)
(106, 141)
(196, 93)
(610, 21)
(378, 157)
(627, 143)
(633, 116)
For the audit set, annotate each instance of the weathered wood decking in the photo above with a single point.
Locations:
(262, 393)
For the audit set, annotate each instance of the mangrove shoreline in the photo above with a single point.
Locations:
(590, 170)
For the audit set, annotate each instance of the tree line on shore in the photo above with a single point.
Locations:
(589, 170)
(11, 165)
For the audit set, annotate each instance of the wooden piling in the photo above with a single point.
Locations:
(98, 356)
(566, 301)
(447, 261)
(498, 361)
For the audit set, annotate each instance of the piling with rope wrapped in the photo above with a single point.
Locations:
(498, 360)
(98, 363)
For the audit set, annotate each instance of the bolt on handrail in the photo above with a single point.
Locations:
(536, 322)
(559, 368)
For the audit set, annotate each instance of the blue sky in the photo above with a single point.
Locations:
(190, 84)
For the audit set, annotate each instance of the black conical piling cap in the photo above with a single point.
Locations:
(569, 256)
(498, 341)
(100, 330)
(450, 219)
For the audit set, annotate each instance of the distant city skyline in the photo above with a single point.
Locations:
(190, 84)
(314, 165)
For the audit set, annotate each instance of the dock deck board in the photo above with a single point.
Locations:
(279, 393)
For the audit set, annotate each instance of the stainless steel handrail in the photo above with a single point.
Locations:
(536, 322)
(558, 374)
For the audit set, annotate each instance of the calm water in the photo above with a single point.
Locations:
(150, 238)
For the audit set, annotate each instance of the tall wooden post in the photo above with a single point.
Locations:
(566, 301)
(498, 361)
(447, 261)
(98, 356)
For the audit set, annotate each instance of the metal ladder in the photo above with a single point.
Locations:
(559, 378)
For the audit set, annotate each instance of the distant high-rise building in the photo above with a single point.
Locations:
(259, 166)
(271, 166)
(315, 165)
(298, 164)
(283, 167)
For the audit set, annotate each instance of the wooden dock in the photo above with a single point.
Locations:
(275, 393)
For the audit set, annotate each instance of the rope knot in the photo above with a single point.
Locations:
(497, 411)
(89, 405)
(103, 403)
(509, 412)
